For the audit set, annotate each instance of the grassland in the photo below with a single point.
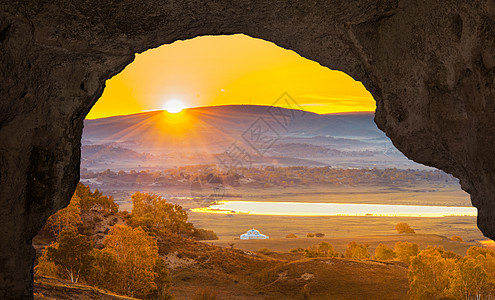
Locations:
(340, 244)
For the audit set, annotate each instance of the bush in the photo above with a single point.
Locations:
(291, 236)
(297, 250)
(310, 235)
(204, 234)
(319, 234)
(404, 228)
(383, 252)
(457, 238)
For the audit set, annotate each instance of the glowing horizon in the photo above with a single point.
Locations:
(228, 70)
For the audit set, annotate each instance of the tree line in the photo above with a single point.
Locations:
(269, 175)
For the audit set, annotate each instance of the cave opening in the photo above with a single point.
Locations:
(303, 137)
(429, 67)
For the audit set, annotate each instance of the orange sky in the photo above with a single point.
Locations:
(235, 69)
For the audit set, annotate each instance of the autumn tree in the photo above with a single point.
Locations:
(95, 200)
(73, 253)
(153, 213)
(66, 219)
(46, 267)
(136, 253)
(355, 250)
(457, 238)
(163, 281)
(404, 228)
(384, 252)
(470, 280)
(327, 250)
(486, 257)
(429, 274)
(104, 271)
(405, 250)
(324, 249)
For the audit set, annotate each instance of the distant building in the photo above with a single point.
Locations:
(253, 234)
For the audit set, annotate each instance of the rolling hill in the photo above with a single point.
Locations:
(287, 136)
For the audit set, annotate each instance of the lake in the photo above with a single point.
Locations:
(334, 209)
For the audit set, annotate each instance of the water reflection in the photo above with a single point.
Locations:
(334, 209)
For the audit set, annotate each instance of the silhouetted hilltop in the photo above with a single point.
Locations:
(229, 121)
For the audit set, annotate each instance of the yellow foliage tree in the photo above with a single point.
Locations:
(136, 253)
(384, 252)
(104, 271)
(152, 212)
(487, 259)
(67, 219)
(73, 253)
(405, 250)
(429, 274)
(470, 280)
(355, 250)
(404, 228)
(46, 267)
(324, 249)
(95, 200)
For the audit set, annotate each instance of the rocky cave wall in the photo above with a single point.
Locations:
(429, 64)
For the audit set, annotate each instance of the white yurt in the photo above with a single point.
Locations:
(253, 234)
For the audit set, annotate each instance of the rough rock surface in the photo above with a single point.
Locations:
(430, 65)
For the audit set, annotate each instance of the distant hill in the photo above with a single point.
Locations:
(287, 136)
(208, 126)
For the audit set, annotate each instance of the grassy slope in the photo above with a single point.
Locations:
(243, 274)
(238, 274)
(54, 288)
(340, 244)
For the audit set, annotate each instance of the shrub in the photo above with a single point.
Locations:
(310, 235)
(319, 234)
(204, 234)
(457, 238)
(404, 228)
(297, 250)
(383, 252)
(291, 236)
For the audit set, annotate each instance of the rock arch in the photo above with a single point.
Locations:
(430, 65)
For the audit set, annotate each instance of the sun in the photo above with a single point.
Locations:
(174, 106)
